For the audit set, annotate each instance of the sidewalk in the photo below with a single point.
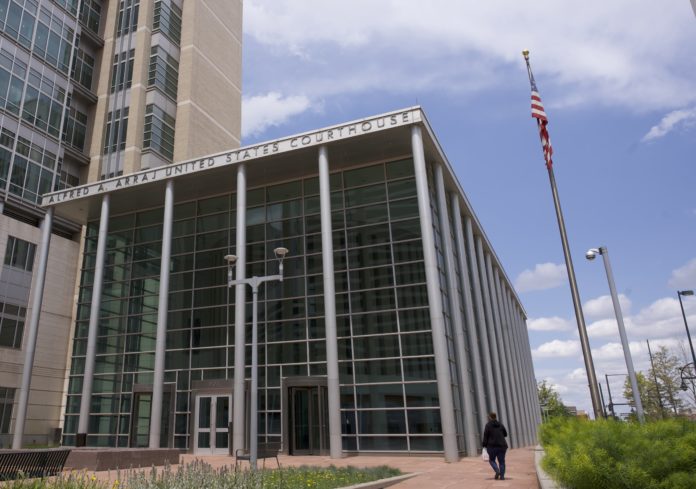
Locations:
(434, 472)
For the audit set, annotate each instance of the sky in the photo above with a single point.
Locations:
(618, 81)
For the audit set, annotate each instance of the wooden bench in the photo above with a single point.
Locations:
(265, 450)
(32, 463)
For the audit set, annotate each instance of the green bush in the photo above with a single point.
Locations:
(582, 454)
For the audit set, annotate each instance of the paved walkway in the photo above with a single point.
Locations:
(434, 472)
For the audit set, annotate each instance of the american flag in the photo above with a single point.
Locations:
(539, 114)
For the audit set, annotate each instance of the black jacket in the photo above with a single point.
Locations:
(494, 435)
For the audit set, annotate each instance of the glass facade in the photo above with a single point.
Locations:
(387, 375)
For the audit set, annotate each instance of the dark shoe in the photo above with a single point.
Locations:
(502, 477)
(497, 475)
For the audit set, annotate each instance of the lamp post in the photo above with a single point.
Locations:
(254, 282)
(681, 293)
(591, 255)
(684, 377)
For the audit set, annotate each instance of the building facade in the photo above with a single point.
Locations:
(91, 89)
(395, 328)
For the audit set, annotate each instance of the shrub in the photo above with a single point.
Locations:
(582, 454)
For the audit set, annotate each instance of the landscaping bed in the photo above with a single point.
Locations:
(583, 454)
(199, 475)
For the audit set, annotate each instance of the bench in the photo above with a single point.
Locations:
(32, 463)
(264, 451)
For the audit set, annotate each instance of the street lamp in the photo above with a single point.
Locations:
(684, 377)
(591, 255)
(681, 293)
(254, 283)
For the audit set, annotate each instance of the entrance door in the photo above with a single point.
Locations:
(140, 426)
(212, 424)
(308, 420)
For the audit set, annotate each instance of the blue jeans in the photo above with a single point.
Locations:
(499, 454)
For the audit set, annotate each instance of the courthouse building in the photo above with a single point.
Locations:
(395, 328)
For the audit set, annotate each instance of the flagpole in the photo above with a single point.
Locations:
(582, 329)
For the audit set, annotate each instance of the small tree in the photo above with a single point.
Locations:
(664, 378)
(550, 401)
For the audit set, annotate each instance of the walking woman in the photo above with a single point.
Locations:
(494, 442)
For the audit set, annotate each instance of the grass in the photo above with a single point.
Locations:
(583, 454)
(199, 475)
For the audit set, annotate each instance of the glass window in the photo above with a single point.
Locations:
(20, 254)
(363, 176)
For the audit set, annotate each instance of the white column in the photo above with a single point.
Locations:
(466, 402)
(30, 346)
(512, 373)
(162, 310)
(92, 331)
(490, 322)
(238, 431)
(437, 322)
(472, 336)
(335, 442)
(524, 375)
(505, 385)
(484, 348)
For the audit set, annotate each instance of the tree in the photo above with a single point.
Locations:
(664, 377)
(648, 396)
(550, 401)
(690, 384)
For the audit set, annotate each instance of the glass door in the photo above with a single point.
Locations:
(140, 429)
(211, 431)
(308, 418)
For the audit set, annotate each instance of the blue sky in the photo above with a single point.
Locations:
(618, 82)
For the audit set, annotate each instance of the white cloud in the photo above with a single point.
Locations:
(557, 348)
(603, 327)
(602, 307)
(684, 277)
(548, 324)
(637, 63)
(272, 109)
(673, 120)
(544, 276)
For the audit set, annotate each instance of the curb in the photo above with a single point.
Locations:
(383, 482)
(545, 481)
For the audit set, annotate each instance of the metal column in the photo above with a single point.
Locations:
(512, 373)
(335, 442)
(467, 407)
(506, 385)
(491, 404)
(162, 310)
(472, 335)
(527, 375)
(238, 431)
(519, 373)
(32, 335)
(490, 330)
(437, 322)
(92, 331)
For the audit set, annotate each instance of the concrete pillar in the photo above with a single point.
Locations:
(33, 330)
(513, 375)
(490, 330)
(488, 380)
(505, 385)
(162, 310)
(92, 331)
(334, 394)
(472, 335)
(238, 429)
(437, 322)
(466, 402)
